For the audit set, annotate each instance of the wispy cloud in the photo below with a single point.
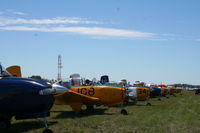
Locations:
(19, 13)
(73, 25)
(58, 20)
(17, 21)
(95, 31)
(12, 12)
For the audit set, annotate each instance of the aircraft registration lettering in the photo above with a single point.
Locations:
(85, 91)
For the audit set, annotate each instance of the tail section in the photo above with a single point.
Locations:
(14, 71)
(104, 79)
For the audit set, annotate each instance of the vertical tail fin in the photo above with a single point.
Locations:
(14, 71)
(104, 79)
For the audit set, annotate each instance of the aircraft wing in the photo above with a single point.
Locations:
(75, 100)
(69, 97)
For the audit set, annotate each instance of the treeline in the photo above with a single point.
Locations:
(185, 85)
(40, 78)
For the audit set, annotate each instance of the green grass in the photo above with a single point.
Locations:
(179, 114)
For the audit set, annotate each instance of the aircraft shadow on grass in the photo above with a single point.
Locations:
(25, 126)
(141, 103)
(83, 113)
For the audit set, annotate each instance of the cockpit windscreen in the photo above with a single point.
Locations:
(4, 72)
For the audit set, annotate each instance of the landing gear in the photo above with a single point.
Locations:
(47, 131)
(46, 127)
(134, 101)
(124, 112)
(90, 108)
(148, 104)
(159, 98)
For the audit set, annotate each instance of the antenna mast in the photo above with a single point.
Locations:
(59, 67)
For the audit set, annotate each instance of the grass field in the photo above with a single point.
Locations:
(180, 114)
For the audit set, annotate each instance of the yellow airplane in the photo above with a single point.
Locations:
(139, 93)
(91, 95)
(143, 93)
(172, 91)
(178, 90)
(165, 91)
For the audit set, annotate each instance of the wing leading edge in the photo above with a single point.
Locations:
(75, 100)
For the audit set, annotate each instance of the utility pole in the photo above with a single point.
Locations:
(59, 67)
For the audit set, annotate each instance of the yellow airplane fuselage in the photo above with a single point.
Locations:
(178, 90)
(107, 95)
(165, 91)
(142, 93)
(172, 91)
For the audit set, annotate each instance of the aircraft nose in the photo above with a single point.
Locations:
(47, 91)
(132, 93)
(59, 88)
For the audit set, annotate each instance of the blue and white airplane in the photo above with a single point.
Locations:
(24, 98)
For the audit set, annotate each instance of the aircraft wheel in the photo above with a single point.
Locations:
(81, 112)
(124, 112)
(148, 104)
(47, 131)
(90, 108)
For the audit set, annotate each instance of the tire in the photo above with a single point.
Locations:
(159, 99)
(90, 109)
(124, 112)
(148, 104)
(47, 131)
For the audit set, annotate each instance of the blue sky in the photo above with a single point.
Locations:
(149, 40)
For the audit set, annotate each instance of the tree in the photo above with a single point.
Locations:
(36, 77)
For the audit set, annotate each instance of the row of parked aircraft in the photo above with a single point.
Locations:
(25, 98)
